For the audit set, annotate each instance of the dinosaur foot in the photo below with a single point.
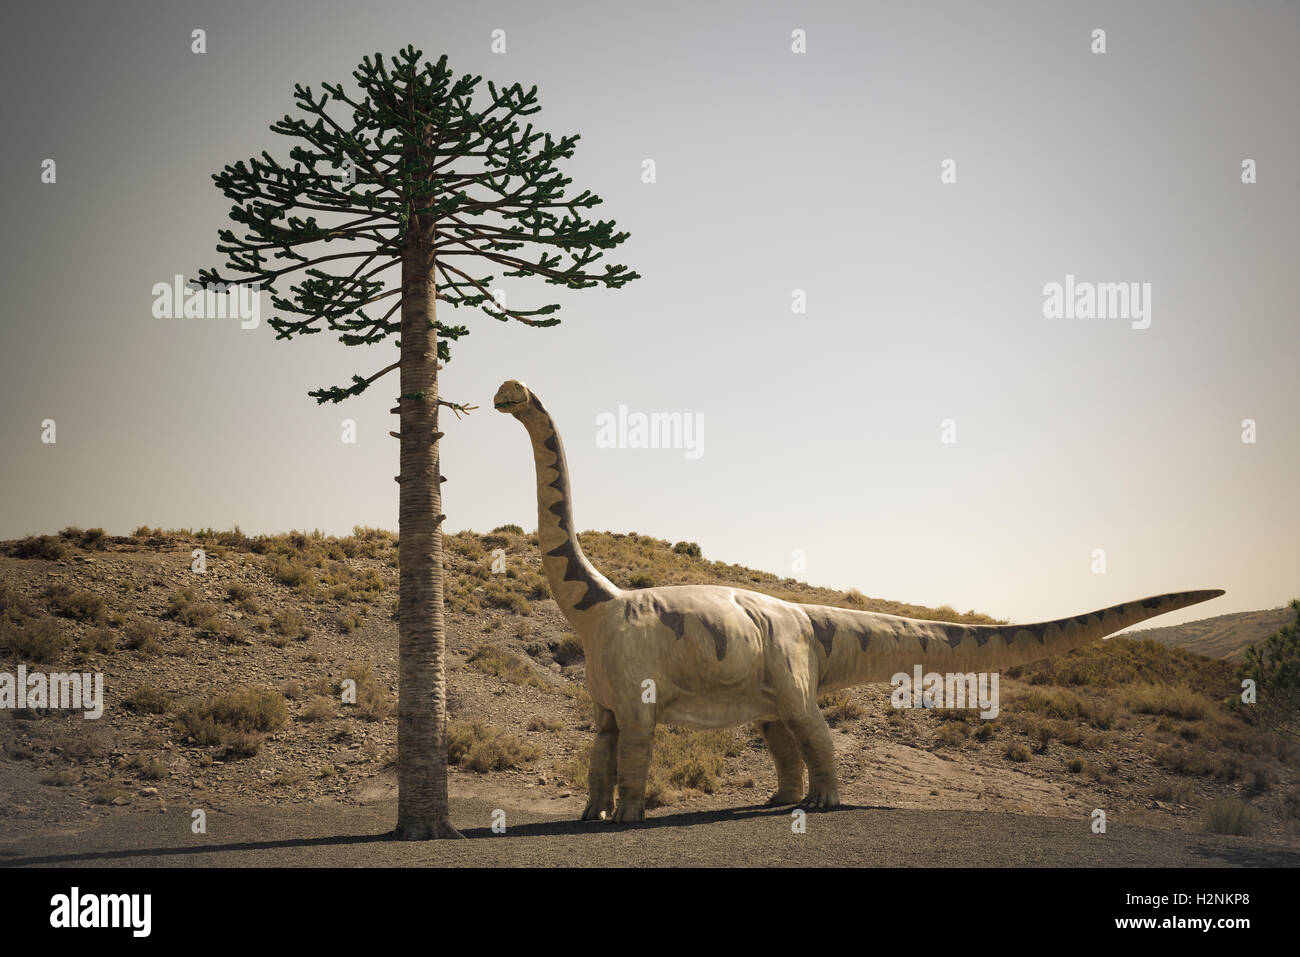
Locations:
(629, 811)
(821, 797)
(783, 797)
(598, 810)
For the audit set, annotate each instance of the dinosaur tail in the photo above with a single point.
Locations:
(865, 647)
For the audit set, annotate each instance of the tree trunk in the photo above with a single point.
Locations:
(422, 688)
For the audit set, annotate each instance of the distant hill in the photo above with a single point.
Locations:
(1226, 636)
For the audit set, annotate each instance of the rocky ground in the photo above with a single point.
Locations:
(60, 770)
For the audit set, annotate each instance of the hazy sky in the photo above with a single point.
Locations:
(776, 171)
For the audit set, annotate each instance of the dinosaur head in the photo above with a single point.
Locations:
(513, 397)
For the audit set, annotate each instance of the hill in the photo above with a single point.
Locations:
(222, 691)
(1225, 636)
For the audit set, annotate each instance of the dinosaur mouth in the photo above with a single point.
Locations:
(511, 397)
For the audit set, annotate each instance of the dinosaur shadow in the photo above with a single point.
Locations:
(680, 819)
(535, 829)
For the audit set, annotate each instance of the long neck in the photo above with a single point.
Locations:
(575, 583)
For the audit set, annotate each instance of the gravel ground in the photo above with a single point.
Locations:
(335, 836)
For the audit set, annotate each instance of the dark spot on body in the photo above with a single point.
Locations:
(718, 633)
(823, 628)
(675, 620)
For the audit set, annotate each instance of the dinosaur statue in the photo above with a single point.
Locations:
(721, 656)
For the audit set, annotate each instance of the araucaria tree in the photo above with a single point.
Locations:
(393, 198)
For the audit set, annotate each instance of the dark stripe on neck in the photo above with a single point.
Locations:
(576, 566)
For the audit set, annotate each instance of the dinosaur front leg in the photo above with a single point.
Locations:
(813, 737)
(634, 744)
(604, 766)
(789, 765)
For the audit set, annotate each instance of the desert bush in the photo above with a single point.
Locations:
(1231, 816)
(373, 703)
(479, 747)
(143, 636)
(250, 709)
(569, 650)
(1177, 701)
(147, 699)
(16, 607)
(506, 665)
(290, 623)
(952, 734)
(1017, 752)
(100, 640)
(838, 707)
(46, 547)
(498, 594)
(185, 606)
(318, 709)
(110, 794)
(41, 640)
(241, 744)
(150, 769)
(236, 720)
(91, 539)
(77, 604)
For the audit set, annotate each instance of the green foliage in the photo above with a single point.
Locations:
(424, 156)
(1274, 666)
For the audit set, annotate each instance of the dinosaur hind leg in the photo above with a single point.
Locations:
(813, 737)
(604, 766)
(789, 764)
(634, 743)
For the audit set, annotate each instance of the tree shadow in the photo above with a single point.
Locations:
(565, 828)
(127, 853)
